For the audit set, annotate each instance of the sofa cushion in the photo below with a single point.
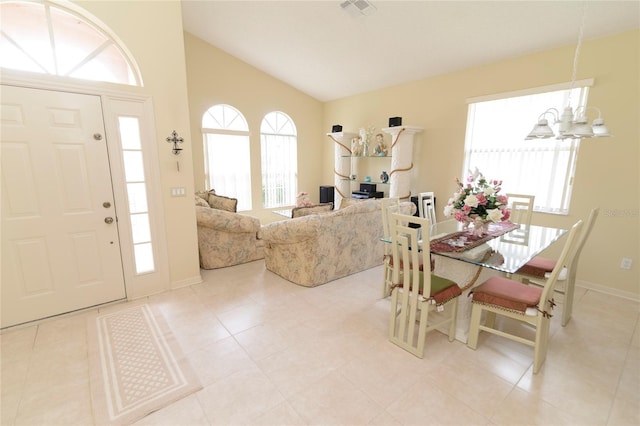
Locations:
(315, 209)
(223, 203)
(346, 202)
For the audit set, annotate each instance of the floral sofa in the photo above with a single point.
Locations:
(226, 238)
(315, 249)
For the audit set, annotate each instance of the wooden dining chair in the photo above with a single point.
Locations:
(389, 205)
(416, 293)
(521, 206)
(427, 206)
(528, 304)
(538, 270)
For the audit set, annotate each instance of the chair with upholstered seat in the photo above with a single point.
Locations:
(517, 301)
(416, 294)
(389, 205)
(521, 208)
(427, 206)
(538, 270)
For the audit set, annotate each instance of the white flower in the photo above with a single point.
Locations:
(495, 215)
(489, 190)
(471, 201)
(448, 209)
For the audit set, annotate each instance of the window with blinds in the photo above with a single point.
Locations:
(279, 147)
(496, 145)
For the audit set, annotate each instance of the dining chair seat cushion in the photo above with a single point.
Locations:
(538, 267)
(508, 294)
(442, 289)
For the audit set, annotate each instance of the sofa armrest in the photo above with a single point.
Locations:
(221, 220)
(291, 231)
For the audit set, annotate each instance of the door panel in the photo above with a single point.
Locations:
(58, 253)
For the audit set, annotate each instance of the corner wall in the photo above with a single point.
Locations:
(607, 170)
(215, 77)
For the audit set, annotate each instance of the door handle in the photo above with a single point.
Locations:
(108, 220)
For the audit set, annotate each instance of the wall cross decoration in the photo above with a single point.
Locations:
(175, 140)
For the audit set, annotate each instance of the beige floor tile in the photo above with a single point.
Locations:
(475, 386)
(426, 403)
(523, 408)
(220, 360)
(333, 400)
(269, 352)
(186, 411)
(239, 398)
(281, 414)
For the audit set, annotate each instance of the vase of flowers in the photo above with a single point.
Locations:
(478, 202)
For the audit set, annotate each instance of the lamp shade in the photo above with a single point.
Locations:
(599, 129)
(580, 129)
(541, 130)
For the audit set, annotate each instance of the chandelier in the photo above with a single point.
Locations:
(571, 125)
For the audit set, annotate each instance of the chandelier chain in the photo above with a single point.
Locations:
(576, 56)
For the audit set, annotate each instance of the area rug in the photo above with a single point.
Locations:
(136, 366)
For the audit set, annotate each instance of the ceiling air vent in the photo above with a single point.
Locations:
(358, 7)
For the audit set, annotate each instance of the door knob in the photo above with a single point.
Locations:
(108, 220)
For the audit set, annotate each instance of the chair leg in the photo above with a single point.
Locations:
(393, 314)
(490, 319)
(567, 306)
(540, 345)
(454, 317)
(474, 328)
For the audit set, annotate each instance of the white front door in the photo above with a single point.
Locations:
(60, 248)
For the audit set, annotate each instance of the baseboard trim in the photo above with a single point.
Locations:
(608, 290)
(186, 283)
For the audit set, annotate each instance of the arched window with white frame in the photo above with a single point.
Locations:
(227, 155)
(55, 38)
(279, 150)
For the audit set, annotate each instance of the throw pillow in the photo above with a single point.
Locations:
(223, 203)
(315, 209)
(201, 202)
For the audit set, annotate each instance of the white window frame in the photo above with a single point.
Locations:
(495, 143)
(225, 126)
(279, 160)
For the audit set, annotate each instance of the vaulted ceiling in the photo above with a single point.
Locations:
(323, 50)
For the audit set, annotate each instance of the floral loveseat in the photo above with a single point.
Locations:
(226, 238)
(315, 249)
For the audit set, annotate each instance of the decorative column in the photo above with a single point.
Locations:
(342, 165)
(401, 160)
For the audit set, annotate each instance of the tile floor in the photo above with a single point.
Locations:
(269, 352)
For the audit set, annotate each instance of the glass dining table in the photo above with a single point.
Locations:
(506, 252)
(469, 260)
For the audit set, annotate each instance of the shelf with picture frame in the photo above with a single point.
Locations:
(398, 164)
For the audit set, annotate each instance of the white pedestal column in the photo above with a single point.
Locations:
(402, 138)
(342, 165)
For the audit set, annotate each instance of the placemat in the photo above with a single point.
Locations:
(465, 240)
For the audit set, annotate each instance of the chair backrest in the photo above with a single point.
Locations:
(427, 206)
(568, 252)
(389, 205)
(572, 263)
(521, 208)
(406, 245)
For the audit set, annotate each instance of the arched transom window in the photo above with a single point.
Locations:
(50, 38)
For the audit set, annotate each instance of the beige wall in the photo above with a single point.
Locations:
(215, 77)
(607, 170)
(152, 31)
